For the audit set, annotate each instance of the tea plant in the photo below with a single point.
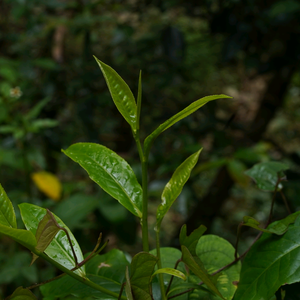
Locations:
(206, 267)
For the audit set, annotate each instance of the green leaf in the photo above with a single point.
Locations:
(22, 294)
(24, 237)
(35, 111)
(266, 174)
(174, 187)
(279, 227)
(139, 101)
(179, 116)
(111, 172)
(188, 259)
(187, 286)
(236, 171)
(128, 286)
(215, 253)
(142, 267)
(170, 271)
(45, 233)
(271, 262)
(121, 94)
(42, 123)
(7, 213)
(191, 241)
(59, 249)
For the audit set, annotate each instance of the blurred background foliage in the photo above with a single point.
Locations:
(52, 94)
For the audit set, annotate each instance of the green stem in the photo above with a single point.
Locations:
(84, 280)
(160, 276)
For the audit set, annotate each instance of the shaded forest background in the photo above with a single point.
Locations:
(248, 49)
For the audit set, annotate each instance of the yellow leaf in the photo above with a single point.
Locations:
(48, 183)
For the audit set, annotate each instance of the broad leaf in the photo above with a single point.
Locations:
(24, 237)
(174, 187)
(179, 116)
(191, 241)
(7, 213)
(142, 267)
(22, 294)
(128, 286)
(278, 227)
(111, 172)
(215, 253)
(271, 262)
(188, 259)
(46, 231)
(59, 249)
(266, 174)
(120, 93)
(170, 271)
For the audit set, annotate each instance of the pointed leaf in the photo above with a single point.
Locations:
(7, 213)
(128, 286)
(139, 101)
(142, 267)
(271, 262)
(191, 241)
(111, 172)
(170, 271)
(24, 237)
(279, 227)
(46, 231)
(215, 253)
(59, 249)
(188, 259)
(120, 93)
(179, 116)
(22, 294)
(174, 187)
(35, 111)
(266, 174)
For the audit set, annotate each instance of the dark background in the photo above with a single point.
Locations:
(248, 49)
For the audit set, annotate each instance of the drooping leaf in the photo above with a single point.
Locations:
(142, 267)
(59, 249)
(179, 116)
(128, 286)
(174, 187)
(170, 271)
(271, 262)
(266, 174)
(236, 171)
(46, 231)
(120, 93)
(48, 183)
(278, 227)
(191, 241)
(188, 259)
(215, 253)
(22, 294)
(111, 172)
(7, 213)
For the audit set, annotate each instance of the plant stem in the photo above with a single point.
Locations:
(273, 201)
(237, 240)
(285, 202)
(160, 276)
(172, 277)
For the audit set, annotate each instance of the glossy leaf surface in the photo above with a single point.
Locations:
(111, 172)
(46, 231)
(266, 174)
(198, 270)
(215, 253)
(142, 267)
(22, 294)
(170, 271)
(271, 262)
(174, 187)
(59, 249)
(179, 116)
(120, 93)
(7, 213)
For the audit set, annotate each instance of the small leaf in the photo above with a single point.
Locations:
(236, 171)
(111, 172)
(271, 262)
(59, 249)
(38, 124)
(7, 213)
(188, 259)
(48, 183)
(266, 174)
(46, 231)
(179, 116)
(191, 241)
(120, 93)
(35, 111)
(22, 294)
(170, 271)
(174, 187)
(128, 286)
(142, 267)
